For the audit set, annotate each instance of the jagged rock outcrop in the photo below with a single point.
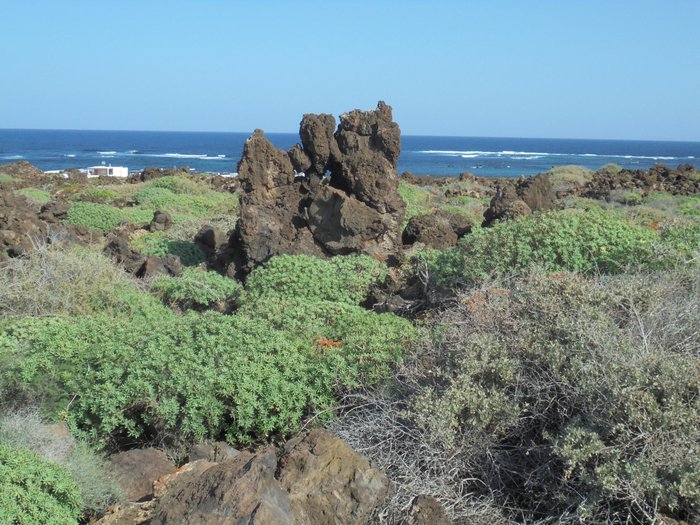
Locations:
(516, 199)
(336, 193)
(684, 180)
(315, 479)
(147, 174)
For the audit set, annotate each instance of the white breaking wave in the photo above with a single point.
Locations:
(107, 152)
(69, 155)
(529, 155)
(184, 156)
(11, 157)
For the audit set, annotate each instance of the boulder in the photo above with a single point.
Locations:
(136, 470)
(680, 181)
(329, 483)
(162, 220)
(210, 239)
(437, 230)
(432, 230)
(506, 204)
(119, 251)
(167, 265)
(240, 490)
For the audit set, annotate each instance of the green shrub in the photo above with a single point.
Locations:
(97, 195)
(572, 240)
(35, 194)
(182, 185)
(5, 178)
(160, 244)
(195, 376)
(156, 198)
(25, 430)
(196, 288)
(418, 200)
(34, 491)
(93, 215)
(345, 279)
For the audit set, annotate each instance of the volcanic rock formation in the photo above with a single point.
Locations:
(335, 193)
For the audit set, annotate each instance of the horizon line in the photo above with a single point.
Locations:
(402, 134)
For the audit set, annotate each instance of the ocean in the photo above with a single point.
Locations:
(421, 155)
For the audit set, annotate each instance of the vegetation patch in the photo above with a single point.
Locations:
(34, 491)
(253, 381)
(36, 195)
(101, 217)
(572, 240)
(161, 243)
(343, 279)
(196, 289)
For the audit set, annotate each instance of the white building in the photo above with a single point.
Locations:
(108, 171)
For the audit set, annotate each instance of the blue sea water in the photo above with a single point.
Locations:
(421, 155)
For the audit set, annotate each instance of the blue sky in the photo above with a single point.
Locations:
(627, 69)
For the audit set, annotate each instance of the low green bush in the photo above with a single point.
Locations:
(345, 279)
(34, 491)
(572, 240)
(161, 243)
(196, 288)
(6, 178)
(102, 195)
(36, 195)
(101, 217)
(196, 376)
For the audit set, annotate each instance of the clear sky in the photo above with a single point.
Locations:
(627, 69)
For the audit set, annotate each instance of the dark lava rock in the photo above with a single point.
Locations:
(54, 212)
(210, 239)
(19, 225)
(346, 202)
(680, 181)
(119, 251)
(162, 220)
(434, 230)
(167, 265)
(240, 490)
(506, 204)
(22, 170)
(315, 479)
